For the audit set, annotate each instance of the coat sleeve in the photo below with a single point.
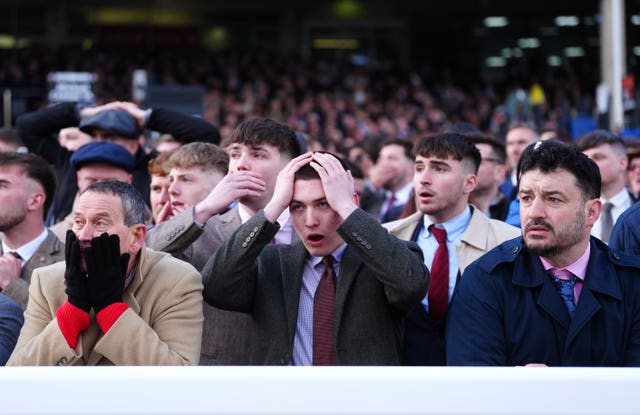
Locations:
(38, 131)
(174, 235)
(41, 342)
(11, 320)
(173, 337)
(185, 128)
(230, 275)
(475, 333)
(398, 265)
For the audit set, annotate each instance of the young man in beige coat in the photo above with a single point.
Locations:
(446, 166)
(112, 301)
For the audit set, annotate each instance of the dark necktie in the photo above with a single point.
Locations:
(324, 352)
(438, 294)
(15, 254)
(389, 206)
(564, 281)
(607, 222)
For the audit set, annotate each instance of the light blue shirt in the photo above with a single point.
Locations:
(303, 340)
(455, 227)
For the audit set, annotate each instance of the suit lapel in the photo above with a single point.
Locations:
(530, 273)
(292, 259)
(550, 301)
(349, 267)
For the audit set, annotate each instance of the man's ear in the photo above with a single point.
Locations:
(36, 201)
(137, 233)
(470, 183)
(593, 210)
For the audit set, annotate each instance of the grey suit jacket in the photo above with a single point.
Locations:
(51, 250)
(226, 335)
(379, 280)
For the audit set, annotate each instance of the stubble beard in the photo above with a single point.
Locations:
(566, 239)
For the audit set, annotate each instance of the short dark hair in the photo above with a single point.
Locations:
(599, 137)
(256, 131)
(448, 145)
(406, 145)
(550, 155)
(307, 172)
(497, 147)
(10, 137)
(133, 205)
(36, 168)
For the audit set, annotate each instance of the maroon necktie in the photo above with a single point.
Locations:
(324, 353)
(438, 295)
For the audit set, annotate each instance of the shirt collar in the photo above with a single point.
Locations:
(337, 256)
(403, 194)
(577, 268)
(245, 215)
(27, 250)
(455, 226)
(619, 199)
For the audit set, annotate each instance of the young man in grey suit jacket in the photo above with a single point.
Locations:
(27, 185)
(347, 310)
(258, 149)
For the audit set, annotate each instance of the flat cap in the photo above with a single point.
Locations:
(102, 152)
(118, 122)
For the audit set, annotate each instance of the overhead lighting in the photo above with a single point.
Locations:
(529, 42)
(517, 53)
(574, 52)
(636, 50)
(567, 21)
(495, 62)
(496, 21)
(635, 19)
(554, 60)
(506, 53)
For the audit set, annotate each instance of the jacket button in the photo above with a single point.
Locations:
(244, 244)
(616, 255)
(62, 361)
(515, 249)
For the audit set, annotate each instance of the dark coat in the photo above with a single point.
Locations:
(507, 312)
(379, 280)
(625, 235)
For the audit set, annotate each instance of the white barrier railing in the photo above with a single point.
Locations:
(309, 390)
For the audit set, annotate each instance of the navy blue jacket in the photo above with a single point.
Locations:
(625, 235)
(506, 311)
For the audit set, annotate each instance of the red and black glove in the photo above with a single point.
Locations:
(107, 271)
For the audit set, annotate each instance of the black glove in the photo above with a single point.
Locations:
(76, 281)
(107, 271)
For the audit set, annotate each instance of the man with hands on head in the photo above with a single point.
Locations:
(112, 301)
(336, 296)
(258, 149)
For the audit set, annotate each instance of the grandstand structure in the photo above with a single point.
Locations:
(458, 41)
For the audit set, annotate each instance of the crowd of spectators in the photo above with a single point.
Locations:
(336, 102)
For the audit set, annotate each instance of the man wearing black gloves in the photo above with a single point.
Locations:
(113, 301)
